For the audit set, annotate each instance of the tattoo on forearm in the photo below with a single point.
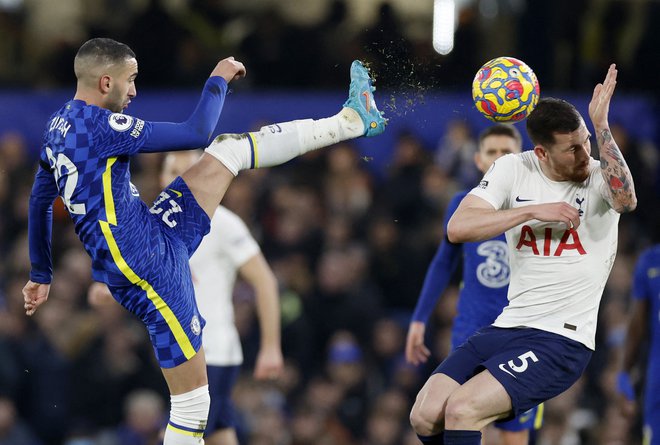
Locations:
(616, 172)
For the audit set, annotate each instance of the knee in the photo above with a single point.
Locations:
(459, 410)
(426, 417)
(191, 407)
(188, 415)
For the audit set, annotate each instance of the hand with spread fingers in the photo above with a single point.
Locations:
(599, 107)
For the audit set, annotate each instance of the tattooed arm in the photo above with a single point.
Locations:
(616, 173)
(613, 166)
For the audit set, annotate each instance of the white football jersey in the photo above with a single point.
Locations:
(557, 274)
(214, 267)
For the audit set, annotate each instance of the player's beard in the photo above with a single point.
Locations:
(573, 173)
(579, 174)
(115, 101)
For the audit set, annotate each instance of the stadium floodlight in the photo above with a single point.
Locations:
(444, 19)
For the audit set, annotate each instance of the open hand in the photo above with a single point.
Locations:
(34, 295)
(599, 107)
(416, 351)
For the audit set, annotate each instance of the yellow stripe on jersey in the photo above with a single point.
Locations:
(538, 420)
(647, 435)
(107, 192)
(162, 307)
(255, 149)
(184, 432)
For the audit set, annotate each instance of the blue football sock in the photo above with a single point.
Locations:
(437, 439)
(462, 437)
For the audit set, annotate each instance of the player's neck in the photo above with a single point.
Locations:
(89, 97)
(548, 173)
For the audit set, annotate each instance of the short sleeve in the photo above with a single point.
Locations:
(496, 185)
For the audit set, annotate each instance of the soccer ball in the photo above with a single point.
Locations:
(505, 90)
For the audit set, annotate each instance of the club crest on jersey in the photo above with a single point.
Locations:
(120, 122)
(483, 184)
(134, 190)
(195, 325)
(579, 202)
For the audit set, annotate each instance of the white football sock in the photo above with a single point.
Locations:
(278, 143)
(188, 416)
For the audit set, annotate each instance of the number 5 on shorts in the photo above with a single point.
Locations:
(524, 358)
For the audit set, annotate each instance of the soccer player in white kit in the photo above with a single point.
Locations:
(559, 209)
(229, 251)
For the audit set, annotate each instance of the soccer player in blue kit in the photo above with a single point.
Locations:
(484, 285)
(142, 253)
(559, 209)
(644, 329)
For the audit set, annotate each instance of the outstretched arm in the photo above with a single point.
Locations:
(613, 166)
(259, 275)
(196, 132)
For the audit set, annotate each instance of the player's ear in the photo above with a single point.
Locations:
(104, 83)
(541, 152)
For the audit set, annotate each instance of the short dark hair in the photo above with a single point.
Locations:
(105, 51)
(501, 130)
(551, 116)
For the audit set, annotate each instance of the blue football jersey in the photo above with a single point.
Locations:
(87, 150)
(85, 160)
(484, 285)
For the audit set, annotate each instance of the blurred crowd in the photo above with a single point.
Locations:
(295, 44)
(349, 250)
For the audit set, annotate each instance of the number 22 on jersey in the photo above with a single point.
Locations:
(58, 165)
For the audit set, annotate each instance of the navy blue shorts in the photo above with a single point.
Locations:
(532, 365)
(221, 383)
(161, 293)
(528, 420)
